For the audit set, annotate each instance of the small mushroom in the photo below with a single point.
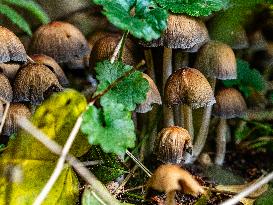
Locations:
(171, 143)
(152, 97)
(59, 40)
(16, 110)
(229, 104)
(170, 179)
(9, 70)
(33, 83)
(5, 89)
(97, 35)
(11, 48)
(52, 65)
(188, 86)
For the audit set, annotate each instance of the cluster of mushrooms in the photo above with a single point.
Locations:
(25, 81)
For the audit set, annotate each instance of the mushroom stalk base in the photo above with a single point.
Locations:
(221, 142)
(166, 72)
(170, 199)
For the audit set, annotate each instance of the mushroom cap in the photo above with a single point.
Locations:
(104, 48)
(229, 104)
(171, 143)
(53, 66)
(184, 32)
(5, 89)
(257, 41)
(9, 70)
(95, 36)
(239, 39)
(33, 82)
(59, 40)
(16, 110)
(11, 48)
(167, 178)
(152, 97)
(217, 60)
(188, 86)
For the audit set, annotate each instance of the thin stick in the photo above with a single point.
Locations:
(95, 184)
(30, 59)
(139, 163)
(60, 164)
(249, 190)
(118, 47)
(4, 116)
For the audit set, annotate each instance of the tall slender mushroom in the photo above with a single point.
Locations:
(170, 179)
(229, 104)
(188, 86)
(171, 143)
(217, 61)
(183, 32)
(33, 82)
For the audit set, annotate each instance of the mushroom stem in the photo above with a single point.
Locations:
(221, 142)
(170, 199)
(188, 123)
(150, 63)
(204, 128)
(166, 72)
(4, 116)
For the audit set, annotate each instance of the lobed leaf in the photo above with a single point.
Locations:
(142, 18)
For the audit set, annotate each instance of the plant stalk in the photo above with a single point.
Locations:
(166, 72)
(221, 142)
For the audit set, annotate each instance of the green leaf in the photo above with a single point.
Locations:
(142, 18)
(248, 79)
(15, 18)
(110, 169)
(110, 127)
(32, 7)
(266, 198)
(131, 91)
(193, 7)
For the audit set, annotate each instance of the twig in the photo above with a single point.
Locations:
(95, 184)
(30, 59)
(249, 190)
(135, 188)
(4, 116)
(59, 167)
(118, 47)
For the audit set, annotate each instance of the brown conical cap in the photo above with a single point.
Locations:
(95, 36)
(152, 97)
(217, 60)
(9, 70)
(53, 66)
(16, 110)
(229, 103)
(11, 48)
(171, 143)
(59, 40)
(33, 82)
(5, 89)
(167, 178)
(188, 86)
(105, 47)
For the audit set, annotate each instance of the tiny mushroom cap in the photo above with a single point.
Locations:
(239, 39)
(9, 70)
(104, 48)
(170, 178)
(33, 83)
(184, 32)
(171, 143)
(59, 40)
(229, 104)
(188, 86)
(11, 48)
(52, 65)
(152, 97)
(5, 89)
(217, 60)
(16, 110)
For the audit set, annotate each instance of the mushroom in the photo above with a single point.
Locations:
(215, 60)
(60, 40)
(97, 35)
(183, 32)
(16, 110)
(9, 70)
(229, 104)
(11, 48)
(104, 48)
(188, 86)
(52, 65)
(33, 82)
(171, 143)
(171, 178)
(152, 97)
